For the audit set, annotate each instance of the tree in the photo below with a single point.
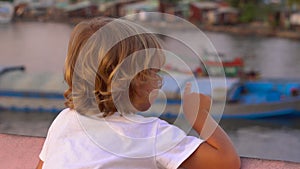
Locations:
(239, 3)
(249, 12)
(6, 0)
(290, 3)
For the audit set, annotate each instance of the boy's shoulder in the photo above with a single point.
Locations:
(62, 121)
(64, 116)
(65, 113)
(132, 125)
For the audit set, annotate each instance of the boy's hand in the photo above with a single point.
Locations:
(217, 144)
(194, 103)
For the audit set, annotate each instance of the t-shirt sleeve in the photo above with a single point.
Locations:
(43, 153)
(174, 146)
(55, 123)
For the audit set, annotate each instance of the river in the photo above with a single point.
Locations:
(41, 47)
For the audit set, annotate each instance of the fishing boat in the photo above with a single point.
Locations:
(216, 64)
(6, 12)
(6, 69)
(264, 98)
(23, 92)
(231, 68)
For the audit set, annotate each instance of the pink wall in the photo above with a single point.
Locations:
(21, 152)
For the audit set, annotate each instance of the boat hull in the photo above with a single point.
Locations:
(233, 110)
(53, 102)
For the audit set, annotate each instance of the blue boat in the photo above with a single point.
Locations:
(246, 99)
(263, 98)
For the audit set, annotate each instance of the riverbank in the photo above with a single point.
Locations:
(249, 29)
(252, 30)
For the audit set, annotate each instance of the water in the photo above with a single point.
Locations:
(42, 47)
(272, 57)
(277, 138)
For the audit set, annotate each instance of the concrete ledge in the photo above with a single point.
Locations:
(21, 152)
(252, 163)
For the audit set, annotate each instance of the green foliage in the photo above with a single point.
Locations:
(239, 3)
(234, 3)
(6, 0)
(255, 11)
(171, 1)
(264, 12)
(248, 12)
(73, 1)
(291, 2)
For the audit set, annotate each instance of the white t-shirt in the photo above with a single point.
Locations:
(75, 141)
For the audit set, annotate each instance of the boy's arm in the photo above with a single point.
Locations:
(40, 165)
(218, 151)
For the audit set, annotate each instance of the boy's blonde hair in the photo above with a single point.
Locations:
(85, 52)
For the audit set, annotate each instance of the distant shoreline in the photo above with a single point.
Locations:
(247, 30)
(244, 30)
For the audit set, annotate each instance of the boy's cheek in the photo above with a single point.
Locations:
(153, 95)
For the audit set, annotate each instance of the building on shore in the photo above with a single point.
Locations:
(226, 16)
(203, 12)
(213, 13)
(82, 9)
(295, 21)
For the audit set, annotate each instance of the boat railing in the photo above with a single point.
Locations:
(6, 69)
